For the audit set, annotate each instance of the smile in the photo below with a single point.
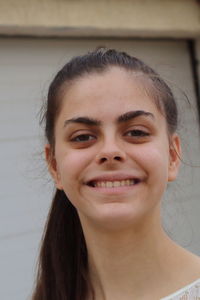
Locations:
(113, 184)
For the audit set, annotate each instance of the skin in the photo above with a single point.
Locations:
(130, 256)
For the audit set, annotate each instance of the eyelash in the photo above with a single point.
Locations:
(138, 133)
(77, 138)
(87, 138)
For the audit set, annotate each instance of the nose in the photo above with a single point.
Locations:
(110, 152)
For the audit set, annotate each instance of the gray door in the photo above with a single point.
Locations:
(26, 68)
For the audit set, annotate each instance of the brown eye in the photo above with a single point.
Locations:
(83, 138)
(137, 133)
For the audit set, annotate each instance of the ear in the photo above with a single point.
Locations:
(174, 157)
(52, 166)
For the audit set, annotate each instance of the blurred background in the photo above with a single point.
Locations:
(36, 39)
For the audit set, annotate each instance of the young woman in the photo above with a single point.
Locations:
(111, 149)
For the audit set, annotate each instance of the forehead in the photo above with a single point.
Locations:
(112, 91)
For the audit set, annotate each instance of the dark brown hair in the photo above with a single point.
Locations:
(63, 264)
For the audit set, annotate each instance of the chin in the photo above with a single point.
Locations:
(117, 217)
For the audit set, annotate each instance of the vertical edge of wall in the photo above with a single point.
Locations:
(197, 49)
(197, 63)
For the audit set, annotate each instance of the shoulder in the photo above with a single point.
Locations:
(188, 292)
(190, 266)
(185, 276)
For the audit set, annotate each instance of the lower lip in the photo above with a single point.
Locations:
(114, 190)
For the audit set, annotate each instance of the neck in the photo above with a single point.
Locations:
(126, 261)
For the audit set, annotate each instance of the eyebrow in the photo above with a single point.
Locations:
(83, 120)
(134, 114)
(121, 119)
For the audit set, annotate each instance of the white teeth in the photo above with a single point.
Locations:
(101, 184)
(111, 184)
(116, 183)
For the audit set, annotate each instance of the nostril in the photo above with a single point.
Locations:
(117, 158)
(103, 159)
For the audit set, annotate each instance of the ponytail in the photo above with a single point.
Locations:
(62, 273)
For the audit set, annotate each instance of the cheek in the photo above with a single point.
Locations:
(72, 164)
(155, 160)
(158, 161)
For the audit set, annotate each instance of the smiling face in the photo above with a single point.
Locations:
(112, 153)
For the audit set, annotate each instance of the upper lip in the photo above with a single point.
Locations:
(115, 177)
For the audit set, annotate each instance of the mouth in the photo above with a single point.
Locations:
(114, 183)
